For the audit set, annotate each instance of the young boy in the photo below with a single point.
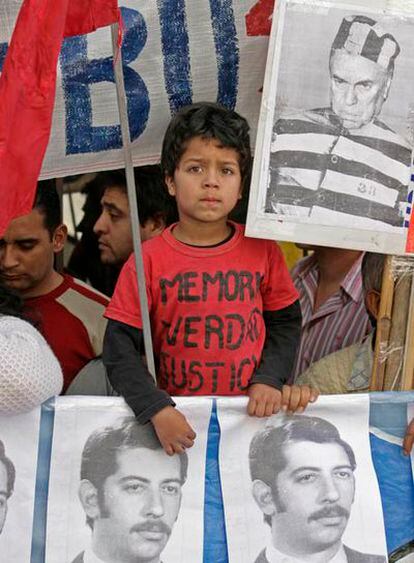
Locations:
(224, 313)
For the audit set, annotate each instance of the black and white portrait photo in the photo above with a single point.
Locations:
(126, 493)
(303, 482)
(19, 441)
(306, 493)
(7, 478)
(334, 151)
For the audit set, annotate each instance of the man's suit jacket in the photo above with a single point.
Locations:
(79, 558)
(351, 555)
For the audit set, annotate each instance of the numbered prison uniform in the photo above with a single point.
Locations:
(340, 321)
(213, 311)
(71, 319)
(325, 173)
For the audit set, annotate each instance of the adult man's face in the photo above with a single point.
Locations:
(27, 253)
(359, 87)
(3, 495)
(315, 493)
(141, 503)
(113, 228)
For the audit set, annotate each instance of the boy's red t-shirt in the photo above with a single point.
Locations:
(206, 308)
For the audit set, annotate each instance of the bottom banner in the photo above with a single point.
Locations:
(82, 482)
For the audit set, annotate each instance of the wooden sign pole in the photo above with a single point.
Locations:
(400, 311)
(407, 379)
(383, 327)
(393, 368)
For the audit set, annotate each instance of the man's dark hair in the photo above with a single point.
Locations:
(208, 121)
(266, 455)
(47, 202)
(153, 199)
(10, 470)
(10, 302)
(99, 456)
(372, 269)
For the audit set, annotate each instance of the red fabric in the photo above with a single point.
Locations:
(27, 92)
(259, 18)
(206, 309)
(409, 247)
(84, 16)
(57, 315)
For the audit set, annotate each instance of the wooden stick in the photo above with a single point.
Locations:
(407, 379)
(383, 326)
(396, 345)
(132, 198)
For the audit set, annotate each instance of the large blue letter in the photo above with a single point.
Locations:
(78, 73)
(175, 49)
(3, 51)
(227, 51)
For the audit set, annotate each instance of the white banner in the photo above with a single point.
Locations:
(82, 481)
(174, 53)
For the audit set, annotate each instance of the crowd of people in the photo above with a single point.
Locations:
(227, 317)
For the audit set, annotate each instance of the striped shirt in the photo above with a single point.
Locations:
(323, 172)
(340, 321)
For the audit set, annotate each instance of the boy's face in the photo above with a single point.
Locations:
(207, 182)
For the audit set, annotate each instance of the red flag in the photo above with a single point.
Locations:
(259, 18)
(27, 91)
(85, 16)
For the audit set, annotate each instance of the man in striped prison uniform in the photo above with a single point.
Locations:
(331, 163)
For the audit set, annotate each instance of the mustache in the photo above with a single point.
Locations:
(152, 526)
(329, 512)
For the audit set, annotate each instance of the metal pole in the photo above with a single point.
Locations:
(132, 198)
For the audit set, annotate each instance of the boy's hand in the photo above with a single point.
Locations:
(295, 398)
(265, 400)
(409, 438)
(173, 430)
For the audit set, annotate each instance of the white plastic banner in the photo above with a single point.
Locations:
(82, 481)
(175, 52)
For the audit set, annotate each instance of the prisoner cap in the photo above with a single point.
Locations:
(363, 36)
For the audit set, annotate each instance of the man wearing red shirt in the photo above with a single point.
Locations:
(66, 311)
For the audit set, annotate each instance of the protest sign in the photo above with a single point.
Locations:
(174, 53)
(69, 497)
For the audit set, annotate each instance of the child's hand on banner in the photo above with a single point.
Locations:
(295, 398)
(265, 400)
(173, 430)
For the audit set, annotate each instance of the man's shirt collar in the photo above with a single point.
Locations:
(307, 271)
(90, 557)
(273, 555)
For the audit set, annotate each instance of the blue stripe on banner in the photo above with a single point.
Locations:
(176, 52)
(227, 51)
(3, 51)
(388, 411)
(396, 485)
(215, 543)
(47, 417)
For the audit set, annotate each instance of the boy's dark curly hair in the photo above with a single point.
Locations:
(208, 121)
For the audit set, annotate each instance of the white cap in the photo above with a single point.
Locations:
(29, 371)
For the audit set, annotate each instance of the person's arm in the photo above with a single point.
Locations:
(131, 379)
(282, 341)
(268, 391)
(127, 373)
(409, 438)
